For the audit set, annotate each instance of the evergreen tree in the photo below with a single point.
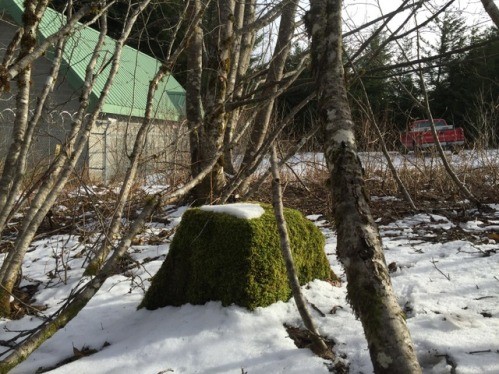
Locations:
(376, 83)
(403, 109)
(451, 33)
(474, 88)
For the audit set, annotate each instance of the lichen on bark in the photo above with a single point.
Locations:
(359, 244)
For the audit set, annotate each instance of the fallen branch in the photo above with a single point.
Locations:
(476, 352)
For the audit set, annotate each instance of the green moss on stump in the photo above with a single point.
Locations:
(216, 256)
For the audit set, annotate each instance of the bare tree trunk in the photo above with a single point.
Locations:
(232, 90)
(207, 132)
(493, 11)
(32, 14)
(319, 347)
(359, 244)
(194, 104)
(63, 166)
(245, 34)
(135, 157)
(274, 74)
(12, 193)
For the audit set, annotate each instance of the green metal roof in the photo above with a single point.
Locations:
(128, 94)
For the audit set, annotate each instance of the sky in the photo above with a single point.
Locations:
(360, 11)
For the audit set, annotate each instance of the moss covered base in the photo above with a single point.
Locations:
(216, 256)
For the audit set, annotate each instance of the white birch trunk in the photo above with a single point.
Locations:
(10, 193)
(194, 104)
(232, 91)
(27, 42)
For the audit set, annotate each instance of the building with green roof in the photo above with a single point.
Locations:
(124, 105)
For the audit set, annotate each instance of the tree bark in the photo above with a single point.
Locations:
(359, 244)
(274, 74)
(232, 89)
(207, 132)
(11, 185)
(319, 347)
(63, 166)
(81, 298)
(493, 11)
(32, 14)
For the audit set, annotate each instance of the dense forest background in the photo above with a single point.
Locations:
(463, 87)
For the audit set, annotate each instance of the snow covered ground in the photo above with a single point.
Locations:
(448, 289)
(466, 159)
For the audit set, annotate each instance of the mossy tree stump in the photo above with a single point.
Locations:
(217, 256)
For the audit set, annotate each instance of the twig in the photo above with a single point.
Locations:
(479, 250)
(484, 351)
(440, 271)
(317, 309)
(297, 177)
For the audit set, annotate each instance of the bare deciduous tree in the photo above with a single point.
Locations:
(359, 244)
(64, 164)
(274, 75)
(138, 148)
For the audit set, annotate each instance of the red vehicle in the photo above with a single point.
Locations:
(419, 135)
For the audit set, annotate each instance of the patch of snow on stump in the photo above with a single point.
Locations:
(239, 210)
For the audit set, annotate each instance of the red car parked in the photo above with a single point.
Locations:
(419, 135)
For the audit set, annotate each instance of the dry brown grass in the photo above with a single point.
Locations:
(426, 180)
